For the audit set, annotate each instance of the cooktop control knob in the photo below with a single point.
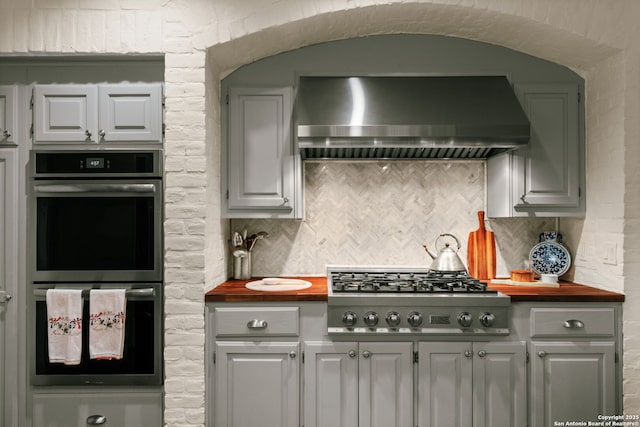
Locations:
(349, 318)
(393, 319)
(414, 319)
(487, 319)
(465, 319)
(371, 318)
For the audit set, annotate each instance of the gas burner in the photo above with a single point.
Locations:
(372, 300)
(395, 281)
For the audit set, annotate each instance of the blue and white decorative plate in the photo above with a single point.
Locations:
(550, 258)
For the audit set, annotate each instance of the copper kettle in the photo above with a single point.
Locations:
(447, 258)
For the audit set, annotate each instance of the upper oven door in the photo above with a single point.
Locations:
(96, 230)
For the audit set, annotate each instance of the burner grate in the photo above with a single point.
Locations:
(396, 282)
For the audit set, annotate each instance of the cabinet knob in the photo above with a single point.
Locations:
(96, 420)
(285, 200)
(542, 354)
(366, 354)
(352, 353)
(4, 297)
(257, 324)
(102, 133)
(468, 354)
(522, 198)
(292, 354)
(87, 133)
(482, 353)
(6, 134)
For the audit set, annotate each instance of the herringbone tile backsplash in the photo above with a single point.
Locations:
(381, 213)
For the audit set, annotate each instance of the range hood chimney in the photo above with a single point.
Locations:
(408, 117)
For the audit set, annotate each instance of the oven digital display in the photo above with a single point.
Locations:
(439, 320)
(95, 163)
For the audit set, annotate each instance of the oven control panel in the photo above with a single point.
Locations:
(418, 320)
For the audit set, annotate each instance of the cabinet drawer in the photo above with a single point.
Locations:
(586, 322)
(247, 321)
(105, 409)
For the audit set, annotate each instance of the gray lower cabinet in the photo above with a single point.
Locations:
(547, 177)
(9, 286)
(262, 173)
(256, 384)
(276, 366)
(82, 409)
(572, 381)
(464, 384)
(574, 372)
(362, 384)
(255, 377)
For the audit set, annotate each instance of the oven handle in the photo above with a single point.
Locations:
(139, 292)
(94, 188)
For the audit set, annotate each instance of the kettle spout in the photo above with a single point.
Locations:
(431, 254)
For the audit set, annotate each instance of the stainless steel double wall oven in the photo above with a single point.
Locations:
(95, 222)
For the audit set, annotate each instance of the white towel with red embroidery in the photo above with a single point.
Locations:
(106, 324)
(64, 314)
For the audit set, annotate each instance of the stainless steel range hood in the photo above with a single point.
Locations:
(408, 117)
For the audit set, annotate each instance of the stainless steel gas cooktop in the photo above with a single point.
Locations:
(412, 300)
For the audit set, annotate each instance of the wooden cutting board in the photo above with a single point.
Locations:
(481, 252)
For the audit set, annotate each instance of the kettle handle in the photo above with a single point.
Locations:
(450, 235)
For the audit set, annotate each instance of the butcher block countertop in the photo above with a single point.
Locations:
(235, 291)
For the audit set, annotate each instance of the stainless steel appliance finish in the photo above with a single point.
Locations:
(95, 222)
(411, 300)
(408, 117)
(96, 216)
(141, 361)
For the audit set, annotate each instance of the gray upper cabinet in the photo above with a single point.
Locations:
(97, 113)
(263, 172)
(547, 177)
(8, 115)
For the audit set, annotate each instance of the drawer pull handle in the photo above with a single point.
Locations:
(257, 324)
(573, 324)
(96, 420)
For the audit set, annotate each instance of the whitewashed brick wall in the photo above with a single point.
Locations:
(596, 38)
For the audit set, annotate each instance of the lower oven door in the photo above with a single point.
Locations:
(141, 363)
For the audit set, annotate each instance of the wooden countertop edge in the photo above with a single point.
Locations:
(235, 291)
(567, 292)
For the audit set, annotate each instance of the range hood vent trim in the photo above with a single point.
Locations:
(388, 117)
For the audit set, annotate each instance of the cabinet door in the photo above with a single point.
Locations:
(445, 371)
(8, 286)
(260, 160)
(499, 384)
(572, 381)
(108, 409)
(131, 112)
(8, 114)
(386, 384)
(256, 384)
(547, 172)
(65, 113)
(331, 384)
